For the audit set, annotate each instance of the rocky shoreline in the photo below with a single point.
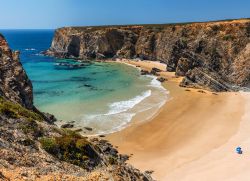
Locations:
(33, 148)
(212, 55)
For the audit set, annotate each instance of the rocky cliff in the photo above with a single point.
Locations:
(33, 148)
(212, 55)
(14, 83)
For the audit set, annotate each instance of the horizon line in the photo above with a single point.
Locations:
(142, 24)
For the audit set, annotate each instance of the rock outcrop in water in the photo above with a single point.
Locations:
(212, 55)
(31, 148)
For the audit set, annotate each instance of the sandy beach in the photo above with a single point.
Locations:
(193, 136)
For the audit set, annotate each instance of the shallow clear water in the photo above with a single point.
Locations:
(104, 96)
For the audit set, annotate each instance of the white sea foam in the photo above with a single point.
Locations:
(120, 114)
(154, 82)
(122, 106)
(30, 49)
(106, 124)
(39, 54)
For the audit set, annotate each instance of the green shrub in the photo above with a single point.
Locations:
(7, 111)
(72, 148)
(68, 132)
(28, 142)
(30, 126)
(13, 110)
(112, 160)
(215, 28)
(228, 37)
(49, 144)
(81, 143)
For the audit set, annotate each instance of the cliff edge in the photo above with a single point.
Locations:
(14, 82)
(210, 55)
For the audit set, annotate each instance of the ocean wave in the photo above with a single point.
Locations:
(30, 49)
(39, 54)
(122, 106)
(155, 83)
(120, 114)
(106, 124)
(117, 118)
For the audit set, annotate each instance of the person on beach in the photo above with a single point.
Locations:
(239, 150)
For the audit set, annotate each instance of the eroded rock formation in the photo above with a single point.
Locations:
(14, 82)
(219, 50)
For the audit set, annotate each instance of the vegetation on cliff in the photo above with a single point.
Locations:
(14, 110)
(73, 148)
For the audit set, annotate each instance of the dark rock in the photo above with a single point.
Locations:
(88, 128)
(50, 118)
(201, 78)
(155, 71)
(149, 172)
(87, 85)
(2, 176)
(201, 91)
(145, 72)
(161, 79)
(124, 158)
(184, 65)
(27, 142)
(78, 130)
(67, 125)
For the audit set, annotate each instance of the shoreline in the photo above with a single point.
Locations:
(188, 127)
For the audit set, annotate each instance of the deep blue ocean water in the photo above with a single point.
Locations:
(104, 96)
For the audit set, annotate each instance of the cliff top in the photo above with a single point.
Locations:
(242, 20)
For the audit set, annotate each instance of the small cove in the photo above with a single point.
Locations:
(103, 96)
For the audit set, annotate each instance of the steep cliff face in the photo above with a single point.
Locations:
(14, 83)
(219, 50)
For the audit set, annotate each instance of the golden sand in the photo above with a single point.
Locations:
(193, 137)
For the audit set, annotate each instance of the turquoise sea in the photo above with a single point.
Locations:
(103, 96)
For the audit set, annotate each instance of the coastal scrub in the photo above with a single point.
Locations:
(13, 110)
(72, 148)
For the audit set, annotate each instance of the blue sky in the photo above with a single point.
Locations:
(49, 14)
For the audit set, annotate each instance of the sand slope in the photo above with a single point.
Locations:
(222, 163)
(193, 137)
